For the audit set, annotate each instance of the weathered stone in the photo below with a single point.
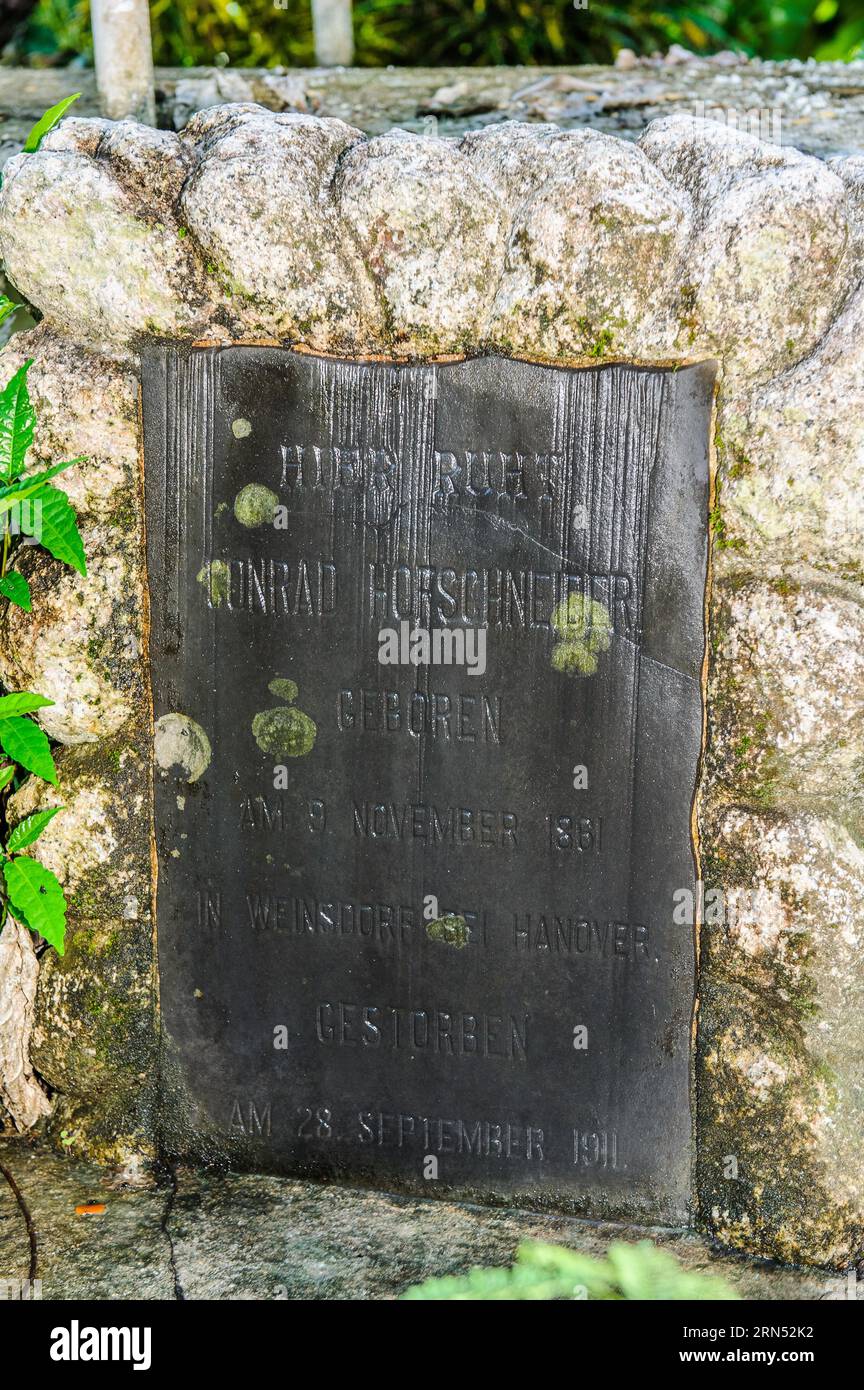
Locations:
(594, 226)
(81, 645)
(98, 845)
(85, 406)
(78, 135)
(105, 268)
(151, 164)
(781, 1060)
(241, 1236)
(714, 242)
(543, 243)
(764, 266)
(432, 234)
(258, 205)
(93, 1040)
(786, 704)
(516, 158)
(792, 486)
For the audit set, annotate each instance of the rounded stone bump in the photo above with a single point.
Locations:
(81, 248)
(80, 134)
(431, 231)
(515, 157)
(704, 157)
(258, 204)
(593, 255)
(764, 271)
(152, 164)
(767, 268)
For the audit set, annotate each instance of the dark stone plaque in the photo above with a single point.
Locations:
(415, 921)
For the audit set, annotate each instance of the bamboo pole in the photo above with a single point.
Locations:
(123, 56)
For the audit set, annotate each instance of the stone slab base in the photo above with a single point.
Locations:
(233, 1236)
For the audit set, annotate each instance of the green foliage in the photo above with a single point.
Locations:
(16, 424)
(255, 33)
(56, 31)
(14, 316)
(56, 527)
(29, 486)
(15, 587)
(47, 122)
(545, 1272)
(32, 893)
(22, 702)
(36, 899)
(26, 744)
(28, 830)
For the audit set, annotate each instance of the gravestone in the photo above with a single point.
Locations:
(416, 915)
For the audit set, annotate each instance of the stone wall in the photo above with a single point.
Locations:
(559, 246)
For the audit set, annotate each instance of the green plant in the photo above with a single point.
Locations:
(257, 33)
(544, 1272)
(46, 122)
(30, 506)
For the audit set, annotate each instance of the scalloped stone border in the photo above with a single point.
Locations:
(558, 246)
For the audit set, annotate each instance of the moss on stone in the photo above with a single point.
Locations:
(285, 732)
(451, 930)
(216, 578)
(255, 505)
(285, 689)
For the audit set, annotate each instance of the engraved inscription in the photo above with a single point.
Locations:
(415, 914)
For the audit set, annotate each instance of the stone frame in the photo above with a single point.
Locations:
(567, 247)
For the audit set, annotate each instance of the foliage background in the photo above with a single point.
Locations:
(258, 33)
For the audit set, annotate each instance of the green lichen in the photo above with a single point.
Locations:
(216, 577)
(255, 505)
(284, 733)
(450, 929)
(285, 689)
(584, 630)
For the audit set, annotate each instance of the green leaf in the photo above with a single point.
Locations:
(6, 775)
(7, 307)
(51, 519)
(22, 702)
(17, 419)
(15, 587)
(36, 899)
(26, 743)
(48, 122)
(29, 829)
(16, 492)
